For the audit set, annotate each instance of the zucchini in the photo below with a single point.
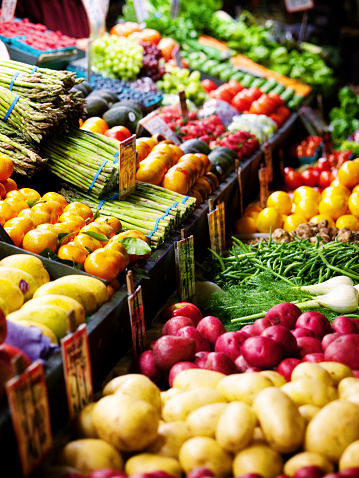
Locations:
(238, 76)
(226, 74)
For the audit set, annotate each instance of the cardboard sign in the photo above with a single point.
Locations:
(183, 104)
(8, 8)
(77, 370)
(268, 159)
(185, 271)
(137, 315)
(217, 233)
(30, 413)
(96, 17)
(127, 166)
(263, 186)
(298, 5)
(155, 125)
(141, 10)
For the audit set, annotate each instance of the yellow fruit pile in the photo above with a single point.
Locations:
(232, 425)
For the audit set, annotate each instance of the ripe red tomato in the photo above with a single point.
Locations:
(323, 165)
(325, 179)
(208, 85)
(310, 177)
(292, 179)
(118, 132)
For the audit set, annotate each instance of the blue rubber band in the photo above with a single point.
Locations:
(116, 156)
(184, 199)
(33, 70)
(155, 228)
(175, 204)
(15, 75)
(97, 175)
(16, 99)
(107, 199)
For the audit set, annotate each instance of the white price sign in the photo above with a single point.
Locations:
(298, 5)
(96, 15)
(8, 8)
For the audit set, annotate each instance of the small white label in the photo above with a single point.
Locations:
(8, 10)
(131, 116)
(96, 16)
(298, 5)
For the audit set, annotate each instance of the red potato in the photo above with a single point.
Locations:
(309, 472)
(230, 343)
(261, 352)
(241, 364)
(220, 362)
(314, 321)
(308, 345)
(344, 325)
(356, 373)
(250, 475)
(285, 314)
(315, 357)
(344, 349)
(284, 339)
(356, 321)
(153, 474)
(253, 369)
(248, 329)
(188, 310)
(177, 368)
(328, 339)
(170, 349)
(301, 332)
(172, 326)
(74, 474)
(260, 325)
(282, 476)
(107, 473)
(286, 367)
(201, 359)
(202, 343)
(200, 472)
(211, 328)
(350, 473)
(145, 364)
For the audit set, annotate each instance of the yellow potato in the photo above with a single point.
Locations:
(178, 408)
(243, 387)
(83, 425)
(168, 394)
(205, 452)
(276, 378)
(128, 424)
(235, 426)
(258, 437)
(337, 371)
(203, 421)
(282, 424)
(136, 385)
(90, 454)
(148, 463)
(332, 429)
(350, 457)
(197, 377)
(353, 398)
(311, 370)
(259, 459)
(308, 391)
(306, 458)
(171, 437)
(308, 411)
(348, 386)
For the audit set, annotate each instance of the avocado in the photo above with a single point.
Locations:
(122, 116)
(81, 87)
(133, 104)
(107, 95)
(96, 106)
(195, 146)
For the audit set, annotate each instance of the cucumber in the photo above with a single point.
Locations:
(295, 102)
(238, 76)
(208, 65)
(226, 74)
(247, 81)
(258, 82)
(268, 85)
(279, 89)
(287, 95)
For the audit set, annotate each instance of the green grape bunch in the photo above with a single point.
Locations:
(117, 57)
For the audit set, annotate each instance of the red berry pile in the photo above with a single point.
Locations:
(242, 142)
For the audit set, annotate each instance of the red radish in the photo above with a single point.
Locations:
(230, 343)
(202, 343)
(314, 321)
(250, 475)
(220, 362)
(309, 472)
(107, 473)
(173, 325)
(241, 364)
(284, 339)
(177, 368)
(261, 352)
(308, 345)
(316, 357)
(344, 349)
(260, 325)
(211, 328)
(285, 314)
(344, 325)
(145, 364)
(301, 332)
(201, 359)
(286, 367)
(169, 350)
(328, 339)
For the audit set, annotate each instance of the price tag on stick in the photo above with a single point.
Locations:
(127, 166)
(268, 159)
(216, 222)
(263, 186)
(30, 413)
(141, 10)
(137, 315)
(298, 5)
(77, 367)
(222, 226)
(155, 125)
(185, 270)
(240, 189)
(175, 4)
(183, 104)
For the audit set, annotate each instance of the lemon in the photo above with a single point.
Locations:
(320, 217)
(252, 214)
(334, 206)
(353, 204)
(306, 192)
(349, 221)
(306, 207)
(348, 174)
(245, 225)
(335, 191)
(293, 221)
(281, 201)
(355, 188)
(269, 219)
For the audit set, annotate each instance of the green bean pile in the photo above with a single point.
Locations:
(298, 263)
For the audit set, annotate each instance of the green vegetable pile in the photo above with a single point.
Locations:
(345, 119)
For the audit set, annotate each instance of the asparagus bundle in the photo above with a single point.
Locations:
(86, 160)
(26, 161)
(152, 210)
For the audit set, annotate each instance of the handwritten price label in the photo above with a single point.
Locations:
(8, 10)
(29, 407)
(127, 166)
(77, 370)
(217, 229)
(185, 269)
(155, 125)
(96, 16)
(137, 317)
